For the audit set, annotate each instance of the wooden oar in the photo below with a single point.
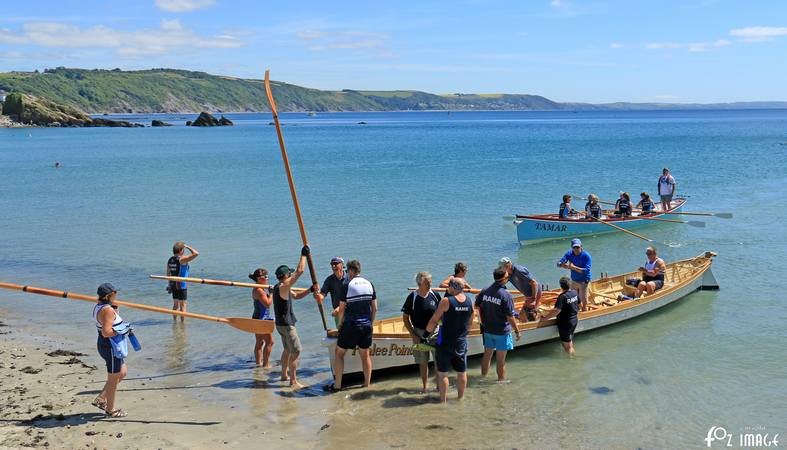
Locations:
(719, 215)
(622, 229)
(295, 203)
(218, 282)
(472, 291)
(241, 323)
(692, 223)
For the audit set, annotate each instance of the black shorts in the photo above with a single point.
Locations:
(180, 294)
(566, 330)
(352, 336)
(452, 356)
(105, 350)
(659, 284)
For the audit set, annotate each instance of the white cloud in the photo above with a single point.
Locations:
(183, 5)
(171, 37)
(616, 45)
(662, 45)
(694, 47)
(359, 40)
(758, 34)
(563, 7)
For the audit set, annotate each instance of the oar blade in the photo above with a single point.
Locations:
(696, 223)
(724, 215)
(509, 217)
(251, 325)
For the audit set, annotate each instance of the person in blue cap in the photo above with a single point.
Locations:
(336, 285)
(107, 321)
(578, 262)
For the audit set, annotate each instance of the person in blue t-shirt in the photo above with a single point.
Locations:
(566, 210)
(566, 309)
(495, 307)
(578, 262)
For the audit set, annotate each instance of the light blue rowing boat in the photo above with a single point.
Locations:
(544, 227)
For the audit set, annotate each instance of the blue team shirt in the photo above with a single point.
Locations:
(582, 260)
(495, 305)
(359, 298)
(520, 277)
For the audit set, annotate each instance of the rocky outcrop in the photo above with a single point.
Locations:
(100, 122)
(160, 123)
(207, 120)
(30, 110)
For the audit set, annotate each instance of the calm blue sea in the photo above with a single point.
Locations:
(406, 192)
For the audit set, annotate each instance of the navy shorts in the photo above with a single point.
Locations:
(452, 356)
(566, 330)
(351, 336)
(105, 350)
(179, 294)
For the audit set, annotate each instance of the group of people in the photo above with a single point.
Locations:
(438, 326)
(623, 205)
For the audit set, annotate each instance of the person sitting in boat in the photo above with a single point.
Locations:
(460, 271)
(592, 208)
(653, 277)
(566, 309)
(645, 204)
(623, 205)
(565, 208)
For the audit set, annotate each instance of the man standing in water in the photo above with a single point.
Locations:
(523, 280)
(666, 189)
(285, 318)
(456, 311)
(496, 309)
(356, 316)
(178, 266)
(578, 262)
(418, 308)
(566, 309)
(336, 285)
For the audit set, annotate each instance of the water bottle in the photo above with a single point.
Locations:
(134, 341)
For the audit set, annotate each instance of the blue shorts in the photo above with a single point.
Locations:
(452, 356)
(498, 341)
(105, 350)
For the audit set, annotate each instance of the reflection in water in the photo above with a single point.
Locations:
(176, 348)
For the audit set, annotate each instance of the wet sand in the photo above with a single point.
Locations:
(46, 389)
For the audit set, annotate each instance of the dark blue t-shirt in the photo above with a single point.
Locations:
(582, 260)
(495, 305)
(568, 304)
(521, 277)
(421, 309)
(359, 298)
(456, 321)
(337, 287)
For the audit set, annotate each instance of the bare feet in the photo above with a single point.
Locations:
(295, 385)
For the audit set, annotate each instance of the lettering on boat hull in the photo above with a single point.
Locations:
(556, 227)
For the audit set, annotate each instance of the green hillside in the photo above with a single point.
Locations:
(168, 90)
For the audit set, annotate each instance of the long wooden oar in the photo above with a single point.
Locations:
(218, 282)
(622, 229)
(241, 323)
(692, 223)
(472, 291)
(309, 260)
(709, 214)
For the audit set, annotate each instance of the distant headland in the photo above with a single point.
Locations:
(99, 91)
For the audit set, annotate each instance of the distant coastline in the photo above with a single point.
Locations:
(172, 91)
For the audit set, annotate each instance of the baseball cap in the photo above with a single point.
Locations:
(503, 261)
(576, 243)
(105, 289)
(337, 260)
(282, 271)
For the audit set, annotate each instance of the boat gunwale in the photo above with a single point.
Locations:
(553, 218)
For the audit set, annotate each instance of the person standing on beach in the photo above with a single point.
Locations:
(496, 309)
(456, 312)
(524, 282)
(460, 271)
(666, 187)
(285, 318)
(418, 308)
(178, 266)
(262, 311)
(566, 309)
(578, 262)
(356, 316)
(107, 321)
(336, 285)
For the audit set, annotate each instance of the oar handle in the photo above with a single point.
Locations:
(217, 282)
(471, 291)
(621, 229)
(89, 298)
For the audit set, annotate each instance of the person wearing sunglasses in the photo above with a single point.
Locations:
(263, 345)
(336, 285)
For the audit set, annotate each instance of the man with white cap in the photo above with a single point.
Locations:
(578, 262)
(336, 285)
(523, 280)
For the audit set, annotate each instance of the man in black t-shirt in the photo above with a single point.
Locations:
(566, 309)
(418, 308)
(335, 285)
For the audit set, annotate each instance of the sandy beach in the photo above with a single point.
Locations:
(47, 388)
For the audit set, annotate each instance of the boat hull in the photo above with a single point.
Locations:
(534, 229)
(392, 352)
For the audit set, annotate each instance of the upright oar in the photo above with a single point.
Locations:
(217, 282)
(241, 323)
(621, 229)
(284, 157)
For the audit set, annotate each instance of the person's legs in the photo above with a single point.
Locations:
(285, 364)
(113, 379)
(461, 384)
(258, 340)
(266, 353)
(366, 363)
(500, 355)
(423, 368)
(641, 287)
(442, 386)
(338, 367)
(183, 308)
(294, 369)
(486, 360)
(571, 351)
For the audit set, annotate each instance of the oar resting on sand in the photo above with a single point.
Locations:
(241, 323)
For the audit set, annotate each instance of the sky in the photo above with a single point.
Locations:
(601, 51)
